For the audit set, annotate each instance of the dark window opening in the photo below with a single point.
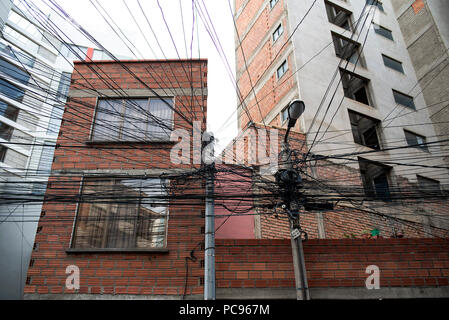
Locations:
(347, 49)
(5, 131)
(117, 213)
(355, 87)
(3, 150)
(364, 130)
(415, 140)
(8, 111)
(428, 185)
(375, 179)
(404, 100)
(376, 3)
(392, 63)
(338, 16)
(133, 120)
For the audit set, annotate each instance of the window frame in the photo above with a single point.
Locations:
(284, 63)
(423, 189)
(366, 85)
(360, 134)
(331, 5)
(85, 178)
(386, 58)
(382, 28)
(406, 96)
(3, 151)
(415, 135)
(369, 187)
(273, 5)
(91, 139)
(281, 27)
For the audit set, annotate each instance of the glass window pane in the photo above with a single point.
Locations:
(136, 119)
(108, 120)
(161, 120)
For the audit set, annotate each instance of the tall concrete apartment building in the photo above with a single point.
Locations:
(35, 71)
(425, 28)
(348, 61)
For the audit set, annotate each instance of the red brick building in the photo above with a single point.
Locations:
(112, 205)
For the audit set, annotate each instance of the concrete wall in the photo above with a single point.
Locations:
(426, 35)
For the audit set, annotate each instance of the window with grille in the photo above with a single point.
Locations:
(118, 213)
(140, 120)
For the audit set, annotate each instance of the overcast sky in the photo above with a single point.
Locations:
(221, 89)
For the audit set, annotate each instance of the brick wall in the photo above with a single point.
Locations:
(333, 263)
(150, 273)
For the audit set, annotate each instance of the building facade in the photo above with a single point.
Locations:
(425, 30)
(35, 71)
(366, 119)
(114, 207)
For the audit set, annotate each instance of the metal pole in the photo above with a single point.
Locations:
(299, 267)
(209, 250)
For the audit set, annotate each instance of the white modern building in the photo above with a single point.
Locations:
(35, 71)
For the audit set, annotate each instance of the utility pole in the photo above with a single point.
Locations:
(209, 248)
(289, 181)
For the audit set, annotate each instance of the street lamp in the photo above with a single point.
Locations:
(295, 109)
(289, 181)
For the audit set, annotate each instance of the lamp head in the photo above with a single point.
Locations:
(295, 110)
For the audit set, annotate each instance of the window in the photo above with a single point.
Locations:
(383, 31)
(273, 3)
(355, 87)
(11, 91)
(117, 213)
(5, 131)
(393, 64)
(375, 179)
(338, 16)
(8, 111)
(2, 153)
(133, 120)
(428, 185)
(284, 115)
(14, 72)
(414, 140)
(404, 100)
(277, 33)
(376, 3)
(364, 130)
(282, 69)
(64, 85)
(347, 49)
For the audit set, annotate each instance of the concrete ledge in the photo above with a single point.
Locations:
(335, 293)
(85, 296)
